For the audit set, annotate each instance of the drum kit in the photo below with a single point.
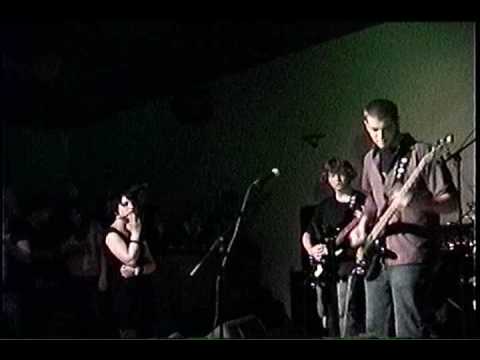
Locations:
(458, 238)
(457, 269)
(456, 273)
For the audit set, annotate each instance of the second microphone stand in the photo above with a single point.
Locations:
(224, 253)
(468, 309)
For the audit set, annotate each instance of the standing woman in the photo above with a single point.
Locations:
(130, 260)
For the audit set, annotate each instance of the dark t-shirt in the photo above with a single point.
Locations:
(329, 217)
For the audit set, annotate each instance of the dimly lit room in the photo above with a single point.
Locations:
(257, 179)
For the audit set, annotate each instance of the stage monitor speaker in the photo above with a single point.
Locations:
(248, 327)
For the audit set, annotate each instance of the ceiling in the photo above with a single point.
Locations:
(73, 73)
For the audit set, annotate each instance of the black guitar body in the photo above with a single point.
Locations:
(323, 271)
(371, 264)
(374, 267)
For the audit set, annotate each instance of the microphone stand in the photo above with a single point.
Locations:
(464, 278)
(220, 279)
(458, 160)
(333, 329)
(218, 243)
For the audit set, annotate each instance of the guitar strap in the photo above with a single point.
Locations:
(397, 174)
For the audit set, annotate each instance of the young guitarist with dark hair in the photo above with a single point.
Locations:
(327, 244)
(407, 189)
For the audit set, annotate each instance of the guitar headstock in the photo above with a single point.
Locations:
(442, 144)
(445, 141)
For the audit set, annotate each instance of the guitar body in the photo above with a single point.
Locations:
(370, 264)
(317, 273)
(323, 269)
(374, 266)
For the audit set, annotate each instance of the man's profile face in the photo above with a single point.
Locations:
(383, 132)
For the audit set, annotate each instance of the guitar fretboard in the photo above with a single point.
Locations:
(394, 205)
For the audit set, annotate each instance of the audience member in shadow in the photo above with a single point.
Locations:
(45, 234)
(87, 274)
(18, 284)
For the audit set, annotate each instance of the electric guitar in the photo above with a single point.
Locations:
(319, 266)
(374, 249)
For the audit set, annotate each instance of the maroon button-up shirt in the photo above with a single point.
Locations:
(412, 239)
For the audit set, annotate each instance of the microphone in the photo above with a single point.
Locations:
(263, 179)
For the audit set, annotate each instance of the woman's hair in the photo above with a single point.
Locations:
(382, 109)
(337, 166)
(135, 193)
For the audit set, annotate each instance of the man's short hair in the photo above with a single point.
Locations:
(382, 109)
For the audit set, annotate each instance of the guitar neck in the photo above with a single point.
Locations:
(342, 235)
(394, 205)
